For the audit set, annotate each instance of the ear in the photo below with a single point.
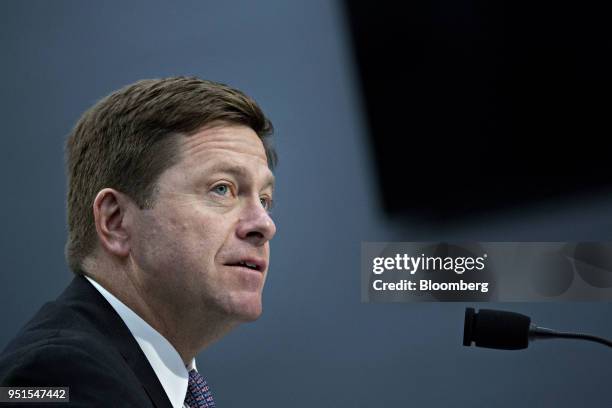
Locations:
(111, 216)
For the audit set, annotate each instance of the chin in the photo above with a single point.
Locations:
(250, 314)
(246, 309)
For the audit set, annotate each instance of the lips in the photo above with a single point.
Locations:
(254, 264)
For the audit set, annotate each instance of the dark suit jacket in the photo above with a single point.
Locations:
(79, 341)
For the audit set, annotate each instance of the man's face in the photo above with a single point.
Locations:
(204, 246)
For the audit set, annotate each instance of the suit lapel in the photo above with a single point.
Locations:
(82, 296)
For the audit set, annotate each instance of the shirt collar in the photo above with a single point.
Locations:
(163, 357)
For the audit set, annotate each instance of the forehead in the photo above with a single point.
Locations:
(224, 147)
(223, 139)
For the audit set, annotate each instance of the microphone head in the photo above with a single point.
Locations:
(496, 329)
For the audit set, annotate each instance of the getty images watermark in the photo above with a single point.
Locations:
(486, 271)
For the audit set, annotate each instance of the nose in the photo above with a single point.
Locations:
(255, 224)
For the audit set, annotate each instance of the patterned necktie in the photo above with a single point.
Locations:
(198, 392)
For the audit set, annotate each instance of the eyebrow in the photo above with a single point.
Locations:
(238, 171)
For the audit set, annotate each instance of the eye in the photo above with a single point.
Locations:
(266, 203)
(221, 189)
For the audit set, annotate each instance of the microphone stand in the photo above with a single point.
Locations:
(536, 332)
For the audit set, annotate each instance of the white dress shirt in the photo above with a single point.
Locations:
(163, 357)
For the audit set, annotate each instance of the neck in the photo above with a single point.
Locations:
(188, 332)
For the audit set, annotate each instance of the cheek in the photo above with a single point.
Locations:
(193, 240)
(173, 240)
(208, 237)
(159, 243)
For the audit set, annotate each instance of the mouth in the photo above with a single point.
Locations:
(250, 263)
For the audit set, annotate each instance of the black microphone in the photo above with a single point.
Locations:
(510, 331)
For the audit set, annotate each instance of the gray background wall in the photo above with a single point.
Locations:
(316, 344)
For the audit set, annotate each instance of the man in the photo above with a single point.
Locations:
(170, 188)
